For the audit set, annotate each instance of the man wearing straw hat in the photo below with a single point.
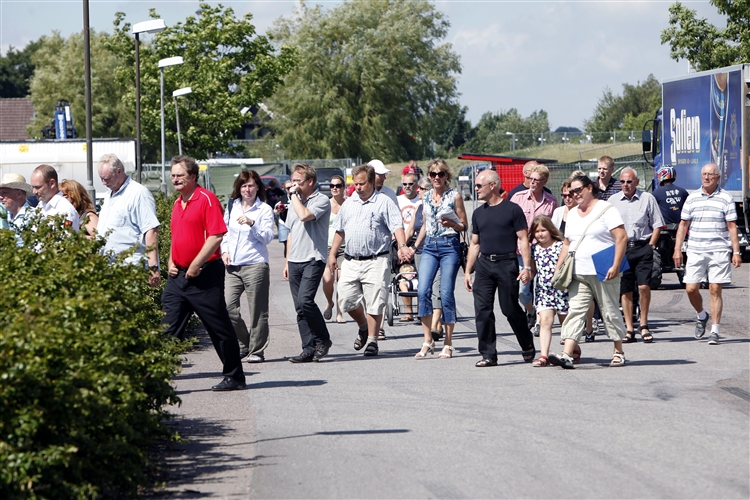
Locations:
(13, 192)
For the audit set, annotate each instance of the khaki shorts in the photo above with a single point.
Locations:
(715, 266)
(364, 279)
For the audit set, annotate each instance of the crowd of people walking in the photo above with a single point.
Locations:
(520, 248)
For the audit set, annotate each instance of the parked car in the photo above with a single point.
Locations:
(273, 185)
(324, 178)
(466, 177)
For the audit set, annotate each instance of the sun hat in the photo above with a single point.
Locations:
(15, 181)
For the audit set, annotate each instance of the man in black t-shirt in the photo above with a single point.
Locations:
(497, 227)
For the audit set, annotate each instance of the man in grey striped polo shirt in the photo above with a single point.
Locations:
(366, 222)
(713, 247)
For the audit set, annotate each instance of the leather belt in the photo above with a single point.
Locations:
(499, 256)
(366, 257)
(637, 243)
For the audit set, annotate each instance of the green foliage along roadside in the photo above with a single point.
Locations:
(85, 369)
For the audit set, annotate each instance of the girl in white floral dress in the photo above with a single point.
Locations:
(549, 300)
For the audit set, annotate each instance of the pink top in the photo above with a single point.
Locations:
(531, 208)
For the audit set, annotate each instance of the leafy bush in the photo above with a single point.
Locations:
(85, 369)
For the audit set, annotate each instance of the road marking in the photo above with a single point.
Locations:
(740, 393)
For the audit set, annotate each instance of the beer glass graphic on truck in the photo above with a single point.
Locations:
(719, 97)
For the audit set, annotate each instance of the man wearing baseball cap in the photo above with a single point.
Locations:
(380, 174)
(13, 192)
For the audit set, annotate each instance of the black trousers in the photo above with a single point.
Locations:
(304, 278)
(204, 295)
(498, 276)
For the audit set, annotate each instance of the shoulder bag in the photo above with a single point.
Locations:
(564, 274)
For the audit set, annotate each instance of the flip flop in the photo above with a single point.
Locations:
(328, 313)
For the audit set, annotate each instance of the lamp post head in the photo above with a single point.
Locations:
(170, 61)
(182, 91)
(152, 26)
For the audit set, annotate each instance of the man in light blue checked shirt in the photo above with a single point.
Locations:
(713, 247)
(366, 223)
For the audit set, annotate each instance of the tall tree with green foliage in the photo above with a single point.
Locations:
(59, 76)
(628, 111)
(16, 69)
(227, 65)
(704, 45)
(373, 79)
(491, 133)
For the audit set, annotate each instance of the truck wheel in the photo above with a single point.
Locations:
(656, 272)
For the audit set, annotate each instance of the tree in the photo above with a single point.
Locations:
(226, 64)
(636, 101)
(451, 129)
(374, 79)
(59, 75)
(704, 45)
(16, 69)
(491, 133)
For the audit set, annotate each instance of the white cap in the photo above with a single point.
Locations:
(379, 167)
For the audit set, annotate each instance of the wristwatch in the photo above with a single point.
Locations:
(528, 268)
(402, 245)
(737, 253)
(153, 268)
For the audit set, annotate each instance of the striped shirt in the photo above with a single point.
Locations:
(368, 226)
(640, 213)
(708, 216)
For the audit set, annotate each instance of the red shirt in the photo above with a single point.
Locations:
(202, 217)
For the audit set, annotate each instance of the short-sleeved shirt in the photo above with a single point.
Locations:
(640, 213)
(127, 216)
(614, 186)
(497, 226)
(59, 205)
(532, 209)
(202, 217)
(408, 208)
(598, 237)
(368, 226)
(708, 216)
(309, 239)
(670, 199)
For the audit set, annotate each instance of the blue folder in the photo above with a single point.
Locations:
(604, 259)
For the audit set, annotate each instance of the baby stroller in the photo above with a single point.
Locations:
(403, 284)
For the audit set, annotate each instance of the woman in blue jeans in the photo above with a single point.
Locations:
(444, 218)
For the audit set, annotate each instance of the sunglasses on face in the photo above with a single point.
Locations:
(576, 191)
(407, 184)
(336, 186)
(480, 186)
(440, 174)
(628, 181)
(567, 195)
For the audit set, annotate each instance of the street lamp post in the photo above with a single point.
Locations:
(163, 63)
(177, 93)
(152, 26)
(512, 140)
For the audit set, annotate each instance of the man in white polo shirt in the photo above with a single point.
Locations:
(128, 217)
(45, 186)
(713, 247)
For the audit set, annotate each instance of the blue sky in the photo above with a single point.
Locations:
(529, 55)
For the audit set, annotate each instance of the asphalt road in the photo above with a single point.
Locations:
(672, 423)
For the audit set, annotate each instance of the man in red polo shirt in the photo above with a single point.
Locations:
(196, 272)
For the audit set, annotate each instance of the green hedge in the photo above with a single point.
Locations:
(85, 370)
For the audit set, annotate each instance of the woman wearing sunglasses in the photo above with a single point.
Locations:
(337, 198)
(444, 218)
(598, 226)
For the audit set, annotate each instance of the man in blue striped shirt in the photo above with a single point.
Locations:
(713, 247)
(367, 223)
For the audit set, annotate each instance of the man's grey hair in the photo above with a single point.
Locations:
(113, 162)
(491, 176)
(629, 169)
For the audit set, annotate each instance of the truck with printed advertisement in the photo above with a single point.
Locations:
(704, 119)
